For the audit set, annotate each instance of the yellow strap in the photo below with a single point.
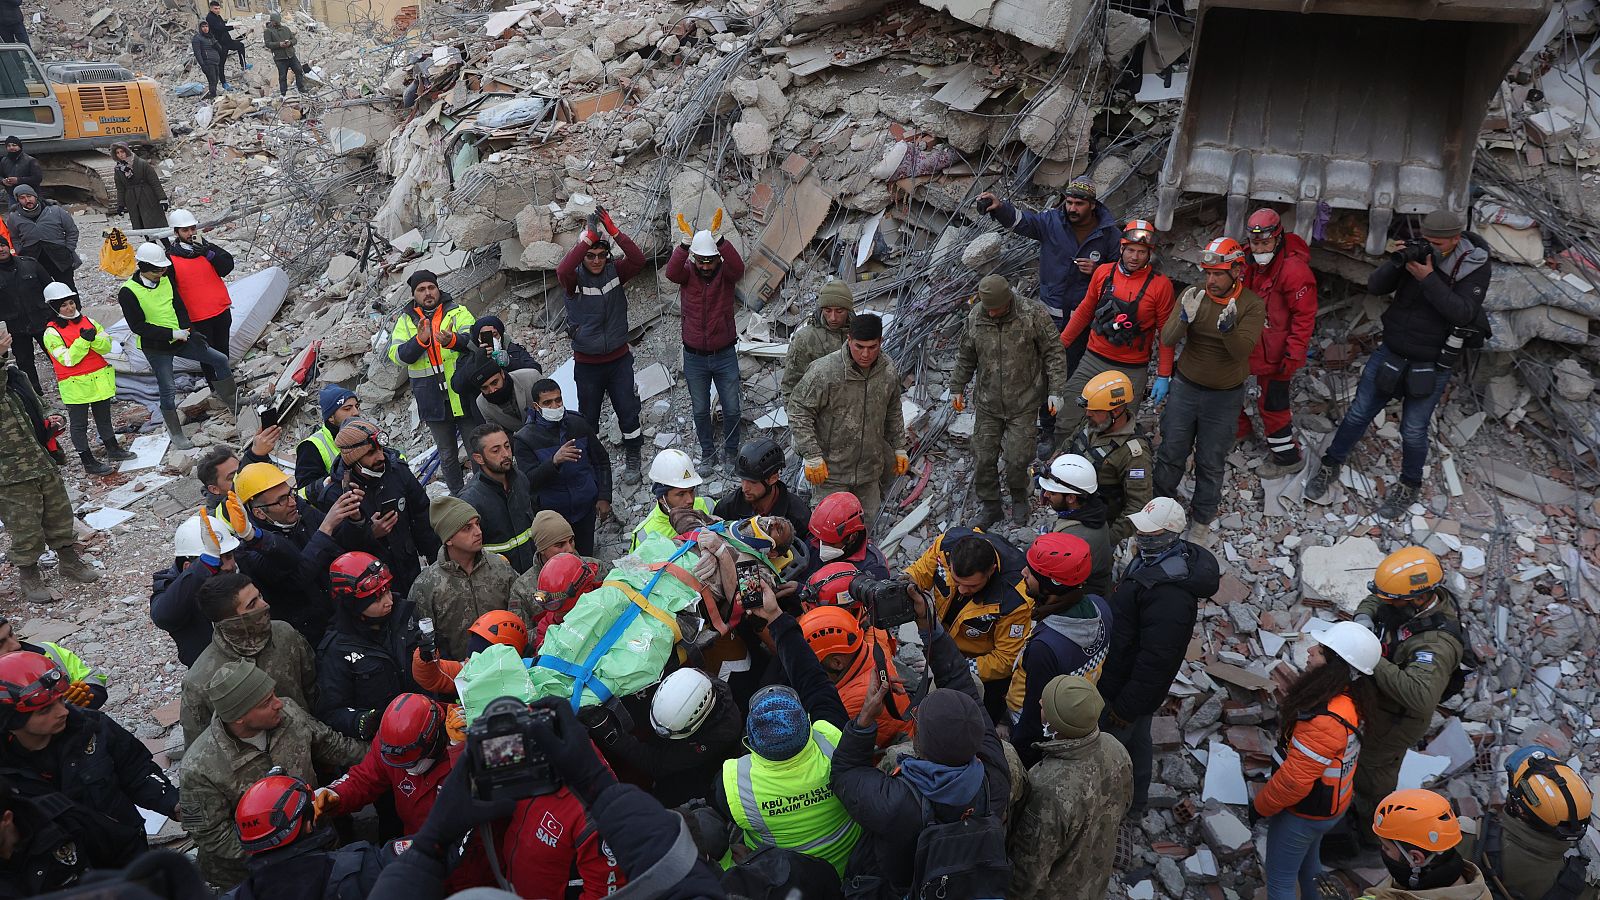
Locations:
(653, 611)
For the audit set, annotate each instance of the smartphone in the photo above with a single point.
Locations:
(390, 505)
(269, 416)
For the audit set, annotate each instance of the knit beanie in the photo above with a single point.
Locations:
(949, 728)
(836, 294)
(236, 688)
(994, 291)
(1072, 705)
(549, 529)
(353, 438)
(778, 724)
(330, 398)
(449, 515)
(24, 190)
(1442, 223)
(422, 276)
(867, 327)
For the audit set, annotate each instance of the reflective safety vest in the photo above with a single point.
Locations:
(82, 374)
(431, 372)
(512, 543)
(205, 295)
(322, 439)
(788, 803)
(156, 303)
(658, 523)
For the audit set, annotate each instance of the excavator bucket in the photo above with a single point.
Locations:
(1359, 104)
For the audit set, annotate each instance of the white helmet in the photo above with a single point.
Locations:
(182, 218)
(704, 244)
(674, 468)
(682, 703)
(1354, 644)
(1070, 474)
(55, 292)
(187, 544)
(151, 254)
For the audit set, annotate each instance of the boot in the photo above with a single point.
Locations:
(1398, 500)
(94, 466)
(73, 566)
(1273, 469)
(33, 586)
(175, 430)
(1047, 443)
(990, 514)
(226, 391)
(1320, 487)
(115, 452)
(630, 463)
(1021, 513)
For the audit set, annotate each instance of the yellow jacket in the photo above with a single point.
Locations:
(992, 627)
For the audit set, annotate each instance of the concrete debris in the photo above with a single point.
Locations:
(1225, 834)
(1339, 574)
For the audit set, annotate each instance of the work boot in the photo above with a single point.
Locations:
(1273, 469)
(1398, 500)
(990, 514)
(1320, 488)
(1047, 443)
(32, 585)
(226, 391)
(630, 463)
(114, 452)
(1021, 513)
(1201, 533)
(73, 566)
(175, 430)
(94, 466)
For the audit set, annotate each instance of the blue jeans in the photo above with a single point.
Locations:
(1415, 414)
(1293, 854)
(700, 371)
(195, 348)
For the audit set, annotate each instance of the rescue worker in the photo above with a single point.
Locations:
(1070, 634)
(1065, 837)
(707, 303)
(288, 853)
(86, 685)
(1436, 314)
(242, 628)
(980, 598)
(51, 747)
(694, 726)
(561, 582)
(1415, 617)
(301, 600)
(853, 664)
(407, 762)
(1111, 440)
(846, 420)
(198, 267)
(1009, 342)
(252, 731)
(365, 660)
(1219, 327)
(24, 308)
(160, 323)
(314, 457)
(1153, 611)
(464, 582)
(1279, 272)
(502, 496)
(46, 231)
(47, 844)
(428, 339)
(393, 522)
(1420, 835)
(436, 674)
(673, 481)
(552, 536)
(824, 332)
(1320, 722)
(1530, 848)
(76, 344)
(762, 491)
(1071, 489)
(839, 534)
(568, 467)
(1125, 305)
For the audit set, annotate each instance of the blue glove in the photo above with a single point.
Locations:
(1158, 390)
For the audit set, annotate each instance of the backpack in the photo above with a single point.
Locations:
(961, 853)
(1457, 629)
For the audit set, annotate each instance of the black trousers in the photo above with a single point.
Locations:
(22, 349)
(285, 66)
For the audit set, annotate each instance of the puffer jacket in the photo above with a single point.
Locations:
(991, 626)
(1018, 358)
(207, 52)
(686, 769)
(1290, 292)
(48, 223)
(412, 539)
(1153, 612)
(22, 305)
(812, 342)
(1317, 778)
(1423, 313)
(597, 305)
(849, 417)
(707, 306)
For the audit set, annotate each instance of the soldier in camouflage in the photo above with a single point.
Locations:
(1016, 352)
(823, 333)
(466, 581)
(1120, 452)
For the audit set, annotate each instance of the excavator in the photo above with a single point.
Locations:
(68, 113)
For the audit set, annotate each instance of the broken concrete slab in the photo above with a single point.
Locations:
(1224, 781)
(1339, 574)
(1225, 834)
(1518, 482)
(795, 221)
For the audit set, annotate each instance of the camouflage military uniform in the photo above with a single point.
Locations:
(453, 599)
(33, 501)
(1019, 361)
(219, 767)
(812, 342)
(1527, 863)
(1122, 459)
(851, 420)
(1062, 843)
(287, 658)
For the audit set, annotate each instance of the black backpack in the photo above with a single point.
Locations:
(961, 853)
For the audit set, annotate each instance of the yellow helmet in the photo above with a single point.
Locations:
(1107, 391)
(1406, 573)
(257, 477)
(1417, 817)
(1547, 794)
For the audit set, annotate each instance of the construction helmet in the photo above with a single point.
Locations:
(28, 683)
(704, 245)
(673, 468)
(358, 575)
(1355, 644)
(502, 626)
(1107, 391)
(187, 542)
(1547, 794)
(182, 218)
(1139, 231)
(255, 478)
(1406, 573)
(55, 292)
(837, 518)
(1221, 254)
(1060, 558)
(759, 459)
(274, 812)
(681, 704)
(1070, 473)
(1418, 818)
(1264, 223)
(830, 631)
(564, 579)
(150, 253)
(412, 730)
(829, 586)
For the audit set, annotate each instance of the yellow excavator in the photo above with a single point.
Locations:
(69, 113)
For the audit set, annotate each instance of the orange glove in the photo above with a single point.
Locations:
(78, 694)
(233, 510)
(902, 462)
(816, 470)
(455, 724)
(959, 402)
(325, 802)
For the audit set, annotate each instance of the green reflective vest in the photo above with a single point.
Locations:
(788, 803)
(322, 439)
(156, 303)
(658, 523)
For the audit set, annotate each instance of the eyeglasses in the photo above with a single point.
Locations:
(285, 500)
(598, 254)
(706, 260)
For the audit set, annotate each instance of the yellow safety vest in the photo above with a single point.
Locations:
(321, 439)
(156, 303)
(658, 523)
(788, 803)
(456, 319)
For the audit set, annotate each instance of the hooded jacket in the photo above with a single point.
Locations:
(812, 342)
(207, 51)
(1153, 612)
(706, 306)
(991, 626)
(1061, 285)
(279, 38)
(47, 231)
(362, 666)
(22, 305)
(1058, 645)
(1290, 292)
(1065, 836)
(848, 416)
(1423, 313)
(1473, 887)
(474, 357)
(21, 166)
(139, 189)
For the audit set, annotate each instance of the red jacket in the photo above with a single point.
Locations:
(371, 778)
(1154, 308)
(707, 306)
(1318, 774)
(1290, 291)
(546, 843)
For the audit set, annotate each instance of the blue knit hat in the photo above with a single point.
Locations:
(330, 398)
(777, 724)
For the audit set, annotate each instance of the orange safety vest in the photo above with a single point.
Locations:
(91, 362)
(1318, 774)
(204, 294)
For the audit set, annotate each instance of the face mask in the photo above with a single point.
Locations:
(829, 554)
(552, 413)
(247, 634)
(371, 474)
(1262, 258)
(501, 395)
(1151, 545)
(422, 767)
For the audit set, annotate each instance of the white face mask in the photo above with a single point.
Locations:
(1262, 259)
(422, 767)
(829, 554)
(553, 413)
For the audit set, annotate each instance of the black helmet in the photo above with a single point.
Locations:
(759, 459)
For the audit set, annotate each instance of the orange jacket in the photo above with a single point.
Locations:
(437, 677)
(853, 684)
(1319, 768)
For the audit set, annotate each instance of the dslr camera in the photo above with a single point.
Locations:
(505, 762)
(1414, 250)
(887, 600)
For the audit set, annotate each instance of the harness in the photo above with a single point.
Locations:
(1115, 319)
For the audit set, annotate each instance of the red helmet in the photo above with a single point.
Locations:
(501, 626)
(1221, 254)
(1264, 223)
(411, 730)
(28, 683)
(358, 575)
(274, 812)
(1139, 232)
(838, 517)
(830, 630)
(1060, 558)
(830, 586)
(565, 578)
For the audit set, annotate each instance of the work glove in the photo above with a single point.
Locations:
(180, 334)
(78, 694)
(89, 332)
(456, 812)
(959, 402)
(605, 220)
(902, 462)
(1189, 303)
(816, 470)
(1158, 390)
(594, 225)
(367, 725)
(566, 744)
(455, 724)
(685, 233)
(326, 803)
(1054, 403)
(1365, 621)
(1228, 317)
(238, 520)
(210, 544)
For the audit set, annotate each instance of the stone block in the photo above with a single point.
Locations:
(983, 252)
(1050, 24)
(533, 224)
(1225, 834)
(1339, 574)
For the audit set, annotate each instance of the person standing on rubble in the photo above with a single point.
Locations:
(1015, 351)
(706, 302)
(568, 468)
(280, 39)
(1279, 271)
(24, 309)
(1070, 487)
(17, 167)
(597, 322)
(208, 54)
(86, 381)
(392, 520)
(1119, 451)
(223, 32)
(12, 28)
(44, 230)
(198, 267)
(140, 193)
(425, 340)
(823, 333)
(1437, 313)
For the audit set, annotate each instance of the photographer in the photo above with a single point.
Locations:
(392, 523)
(1438, 285)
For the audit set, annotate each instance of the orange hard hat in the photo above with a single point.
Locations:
(831, 630)
(1406, 573)
(501, 626)
(1139, 231)
(1221, 254)
(1419, 818)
